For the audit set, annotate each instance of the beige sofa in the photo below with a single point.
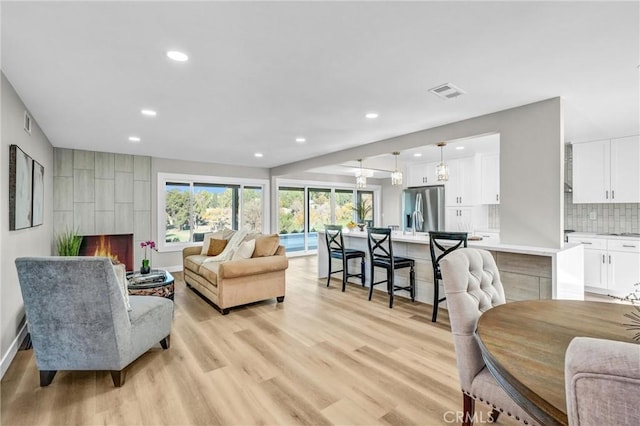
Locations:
(235, 282)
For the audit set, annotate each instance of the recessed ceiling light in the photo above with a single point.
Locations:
(134, 139)
(459, 148)
(148, 112)
(177, 56)
(417, 154)
(371, 115)
(301, 140)
(258, 155)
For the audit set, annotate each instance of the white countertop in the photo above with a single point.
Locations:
(487, 245)
(603, 236)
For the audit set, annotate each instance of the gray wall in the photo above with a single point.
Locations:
(25, 242)
(531, 166)
(102, 193)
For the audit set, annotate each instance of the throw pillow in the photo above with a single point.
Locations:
(244, 250)
(216, 246)
(205, 243)
(121, 275)
(266, 245)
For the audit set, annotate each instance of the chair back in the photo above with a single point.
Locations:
(602, 382)
(379, 244)
(75, 311)
(438, 250)
(333, 237)
(472, 286)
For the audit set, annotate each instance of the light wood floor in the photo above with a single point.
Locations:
(321, 357)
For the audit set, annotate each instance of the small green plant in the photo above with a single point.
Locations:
(362, 209)
(68, 243)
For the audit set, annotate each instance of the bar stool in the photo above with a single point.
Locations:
(381, 256)
(434, 245)
(335, 245)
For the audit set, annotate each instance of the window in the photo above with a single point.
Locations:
(195, 205)
(252, 204)
(344, 206)
(366, 198)
(291, 215)
(304, 210)
(319, 207)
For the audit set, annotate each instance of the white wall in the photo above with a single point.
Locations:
(35, 241)
(531, 166)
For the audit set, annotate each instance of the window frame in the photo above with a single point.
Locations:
(180, 178)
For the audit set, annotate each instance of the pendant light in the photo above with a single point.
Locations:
(361, 178)
(396, 176)
(442, 170)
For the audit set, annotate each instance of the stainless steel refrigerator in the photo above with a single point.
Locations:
(423, 207)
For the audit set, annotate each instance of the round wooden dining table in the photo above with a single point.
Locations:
(524, 343)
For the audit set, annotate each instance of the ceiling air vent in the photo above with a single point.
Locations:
(447, 91)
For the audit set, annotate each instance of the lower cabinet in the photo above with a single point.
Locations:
(611, 266)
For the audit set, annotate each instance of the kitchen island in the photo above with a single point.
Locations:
(526, 272)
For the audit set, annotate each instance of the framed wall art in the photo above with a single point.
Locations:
(20, 188)
(37, 195)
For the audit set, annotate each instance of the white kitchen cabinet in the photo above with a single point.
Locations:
(625, 170)
(422, 174)
(459, 219)
(623, 266)
(607, 171)
(490, 179)
(459, 189)
(611, 266)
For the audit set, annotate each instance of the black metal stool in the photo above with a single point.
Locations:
(434, 237)
(335, 245)
(381, 256)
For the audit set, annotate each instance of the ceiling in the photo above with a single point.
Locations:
(261, 74)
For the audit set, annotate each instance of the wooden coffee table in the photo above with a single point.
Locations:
(145, 285)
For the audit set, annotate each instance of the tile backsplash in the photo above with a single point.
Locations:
(597, 218)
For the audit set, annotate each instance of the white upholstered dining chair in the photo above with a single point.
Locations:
(472, 286)
(602, 382)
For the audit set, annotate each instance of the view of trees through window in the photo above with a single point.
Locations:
(323, 205)
(193, 209)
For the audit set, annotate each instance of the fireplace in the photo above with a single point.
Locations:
(118, 247)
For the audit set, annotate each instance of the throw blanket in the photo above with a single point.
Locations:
(233, 243)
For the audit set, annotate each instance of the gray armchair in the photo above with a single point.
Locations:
(602, 382)
(78, 320)
(472, 286)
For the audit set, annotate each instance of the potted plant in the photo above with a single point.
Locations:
(68, 243)
(362, 209)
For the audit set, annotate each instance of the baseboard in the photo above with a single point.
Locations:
(13, 349)
(177, 268)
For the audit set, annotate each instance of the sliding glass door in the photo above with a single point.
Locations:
(305, 210)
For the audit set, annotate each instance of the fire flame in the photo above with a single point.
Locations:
(103, 248)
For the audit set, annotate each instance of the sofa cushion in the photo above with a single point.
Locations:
(193, 262)
(266, 245)
(244, 250)
(221, 234)
(209, 271)
(216, 246)
(206, 240)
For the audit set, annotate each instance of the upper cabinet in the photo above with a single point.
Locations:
(490, 179)
(607, 171)
(460, 189)
(422, 174)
